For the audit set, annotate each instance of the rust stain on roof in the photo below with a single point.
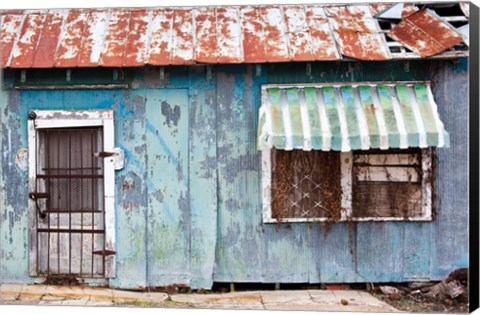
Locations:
(357, 34)
(125, 37)
(425, 34)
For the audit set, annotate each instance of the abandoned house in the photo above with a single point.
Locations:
(283, 144)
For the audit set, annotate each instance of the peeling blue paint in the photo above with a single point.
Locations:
(188, 202)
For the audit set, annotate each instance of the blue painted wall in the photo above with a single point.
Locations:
(188, 202)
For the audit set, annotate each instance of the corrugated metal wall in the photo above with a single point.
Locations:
(188, 207)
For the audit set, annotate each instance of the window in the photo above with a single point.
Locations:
(348, 151)
(302, 186)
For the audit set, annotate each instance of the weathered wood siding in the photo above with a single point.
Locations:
(188, 202)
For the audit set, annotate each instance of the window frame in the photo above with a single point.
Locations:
(346, 185)
(51, 119)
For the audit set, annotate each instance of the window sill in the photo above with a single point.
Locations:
(370, 219)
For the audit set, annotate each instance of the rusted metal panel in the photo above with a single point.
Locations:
(162, 36)
(425, 34)
(10, 29)
(93, 38)
(274, 33)
(161, 45)
(47, 45)
(183, 42)
(357, 33)
(322, 40)
(253, 44)
(24, 49)
(230, 35)
(206, 35)
(136, 49)
(298, 33)
(115, 39)
(69, 46)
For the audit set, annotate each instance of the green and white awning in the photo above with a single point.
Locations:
(344, 117)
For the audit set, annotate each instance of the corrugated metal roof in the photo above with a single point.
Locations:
(344, 117)
(126, 37)
(425, 34)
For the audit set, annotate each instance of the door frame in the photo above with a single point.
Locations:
(50, 119)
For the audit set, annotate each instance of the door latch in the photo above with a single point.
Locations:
(117, 155)
(35, 196)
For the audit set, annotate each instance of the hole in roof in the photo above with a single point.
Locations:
(458, 24)
(447, 9)
(385, 25)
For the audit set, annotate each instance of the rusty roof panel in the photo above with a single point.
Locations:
(206, 34)
(229, 35)
(10, 30)
(299, 38)
(115, 39)
(93, 38)
(322, 40)
(71, 39)
(161, 35)
(24, 49)
(357, 34)
(47, 45)
(425, 34)
(183, 45)
(274, 33)
(243, 34)
(137, 40)
(253, 35)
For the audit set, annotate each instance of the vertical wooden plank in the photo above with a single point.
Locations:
(203, 179)
(168, 219)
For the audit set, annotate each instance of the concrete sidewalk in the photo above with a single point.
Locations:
(303, 300)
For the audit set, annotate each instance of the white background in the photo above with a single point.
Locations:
(29, 4)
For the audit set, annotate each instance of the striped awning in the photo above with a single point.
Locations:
(344, 117)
